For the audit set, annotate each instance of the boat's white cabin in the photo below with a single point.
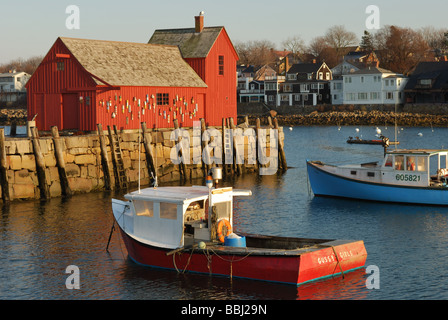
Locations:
(417, 166)
(171, 217)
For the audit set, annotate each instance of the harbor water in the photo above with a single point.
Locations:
(407, 245)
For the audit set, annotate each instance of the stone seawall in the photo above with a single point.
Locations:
(341, 118)
(84, 168)
(404, 115)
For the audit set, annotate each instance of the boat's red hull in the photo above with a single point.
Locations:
(291, 269)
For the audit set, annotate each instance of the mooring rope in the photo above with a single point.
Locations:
(339, 263)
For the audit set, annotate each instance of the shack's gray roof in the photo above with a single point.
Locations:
(133, 64)
(192, 44)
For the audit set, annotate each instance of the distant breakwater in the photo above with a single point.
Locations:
(374, 117)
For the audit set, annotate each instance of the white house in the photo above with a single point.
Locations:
(373, 85)
(12, 85)
(336, 85)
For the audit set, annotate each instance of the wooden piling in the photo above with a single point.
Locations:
(182, 165)
(150, 163)
(13, 131)
(3, 168)
(237, 166)
(257, 143)
(60, 162)
(227, 168)
(104, 160)
(114, 157)
(206, 163)
(40, 165)
(281, 152)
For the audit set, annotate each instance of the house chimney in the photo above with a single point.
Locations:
(199, 22)
(377, 64)
(314, 60)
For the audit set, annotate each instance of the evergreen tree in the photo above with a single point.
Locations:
(367, 42)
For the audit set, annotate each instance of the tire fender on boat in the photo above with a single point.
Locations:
(223, 222)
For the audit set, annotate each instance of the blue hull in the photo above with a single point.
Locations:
(328, 184)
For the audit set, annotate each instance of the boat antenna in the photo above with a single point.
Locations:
(155, 183)
(396, 140)
(139, 155)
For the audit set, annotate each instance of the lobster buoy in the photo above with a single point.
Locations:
(221, 234)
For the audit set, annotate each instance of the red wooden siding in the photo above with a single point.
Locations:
(222, 103)
(128, 107)
(47, 86)
(71, 99)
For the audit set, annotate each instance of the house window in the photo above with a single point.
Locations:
(271, 86)
(297, 97)
(321, 76)
(292, 77)
(60, 66)
(288, 87)
(362, 96)
(348, 79)
(327, 75)
(374, 95)
(221, 65)
(350, 96)
(271, 98)
(162, 99)
(304, 88)
(362, 79)
(389, 95)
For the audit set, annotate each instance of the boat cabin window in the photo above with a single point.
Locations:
(222, 210)
(399, 160)
(168, 210)
(144, 208)
(421, 163)
(410, 163)
(389, 161)
(442, 161)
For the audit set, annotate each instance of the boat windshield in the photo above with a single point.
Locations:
(407, 162)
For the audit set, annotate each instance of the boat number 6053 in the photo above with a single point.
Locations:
(407, 177)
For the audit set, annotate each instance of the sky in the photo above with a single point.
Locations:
(29, 27)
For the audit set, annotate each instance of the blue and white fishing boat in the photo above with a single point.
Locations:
(416, 176)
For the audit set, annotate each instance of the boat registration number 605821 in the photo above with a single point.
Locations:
(407, 177)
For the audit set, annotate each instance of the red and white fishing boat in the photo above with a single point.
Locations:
(189, 229)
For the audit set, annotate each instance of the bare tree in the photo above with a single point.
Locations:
(317, 46)
(259, 52)
(296, 45)
(339, 38)
(435, 38)
(19, 64)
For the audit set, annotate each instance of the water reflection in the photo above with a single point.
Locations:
(407, 243)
